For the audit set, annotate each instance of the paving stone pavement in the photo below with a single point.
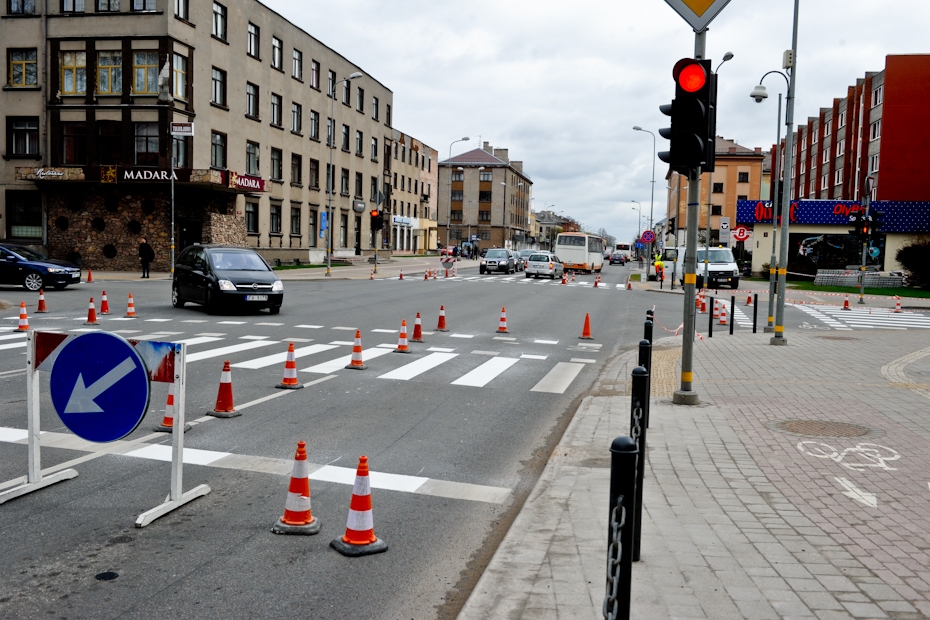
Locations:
(742, 518)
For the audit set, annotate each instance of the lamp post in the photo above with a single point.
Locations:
(639, 225)
(449, 210)
(330, 241)
(710, 188)
(652, 197)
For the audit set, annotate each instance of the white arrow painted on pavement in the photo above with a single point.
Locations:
(82, 398)
(852, 491)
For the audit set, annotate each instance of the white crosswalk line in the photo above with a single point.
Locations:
(559, 378)
(341, 362)
(280, 358)
(13, 336)
(418, 367)
(198, 340)
(236, 348)
(482, 375)
(14, 345)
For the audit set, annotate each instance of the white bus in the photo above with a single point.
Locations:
(623, 248)
(580, 251)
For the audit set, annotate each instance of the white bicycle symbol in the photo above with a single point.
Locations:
(806, 325)
(871, 454)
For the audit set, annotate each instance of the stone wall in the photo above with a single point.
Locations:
(227, 229)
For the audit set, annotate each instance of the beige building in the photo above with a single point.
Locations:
(92, 88)
(414, 177)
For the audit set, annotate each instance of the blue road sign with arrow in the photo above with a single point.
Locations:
(100, 387)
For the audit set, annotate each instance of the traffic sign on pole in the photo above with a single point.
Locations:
(741, 233)
(698, 13)
(648, 236)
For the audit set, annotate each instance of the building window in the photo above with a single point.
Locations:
(277, 53)
(181, 9)
(146, 144)
(875, 130)
(109, 142)
(387, 115)
(823, 182)
(359, 143)
(219, 87)
(838, 176)
(331, 83)
(716, 209)
(109, 73)
(484, 216)
(276, 110)
(878, 95)
(297, 66)
(22, 7)
(330, 128)
(458, 195)
(179, 151)
(143, 5)
(295, 219)
(456, 216)
(108, 6)
(346, 93)
(344, 182)
(218, 150)
(840, 147)
(24, 214)
(345, 138)
(359, 181)
(311, 229)
(718, 188)
(73, 73)
(485, 176)
(842, 122)
(484, 197)
(23, 68)
(72, 6)
(251, 217)
(742, 177)
(313, 174)
(219, 21)
(374, 189)
(276, 164)
(826, 154)
(145, 69)
(374, 149)
(251, 100)
(484, 235)
(329, 179)
(296, 169)
(458, 175)
(873, 163)
(344, 230)
(742, 197)
(374, 108)
(251, 158)
(254, 42)
(314, 125)
(360, 100)
(403, 183)
(314, 74)
(23, 136)
(275, 222)
(74, 143)
(297, 117)
(179, 77)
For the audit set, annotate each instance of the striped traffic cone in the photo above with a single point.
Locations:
(426, 275)
(131, 308)
(586, 330)
(356, 363)
(897, 304)
(104, 304)
(573, 275)
(372, 277)
(402, 339)
(436, 271)
(90, 276)
(224, 397)
(298, 518)
(703, 305)
(748, 300)
(723, 314)
(442, 320)
(289, 382)
(401, 275)
(23, 318)
(417, 330)
(42, 308)
(91, 313)
(716, 308)
(167, 423)
(502, 328)
(453, 271)
(846, 303)
(360, 536)
(596, 279)
(564, 278)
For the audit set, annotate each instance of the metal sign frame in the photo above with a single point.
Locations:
(688, 9)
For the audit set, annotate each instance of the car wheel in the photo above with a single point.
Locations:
(176, 300)
(552, 276)
(33, 282)
(274, 309)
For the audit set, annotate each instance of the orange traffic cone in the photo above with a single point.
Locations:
(703, 305)
(167, 423)
(426, 275)
(447, 272)
(372, 277)
(846, 303)
(104, 304)
(502, 328)
(596, 279)
(90, 276)
(564, 278)
(748, 300)
(360, 536)
(453, 271)
(131, 308)
(435, 271)
(23, 318)
(417, 330)
(224, 397)
(442, 320)
(289, 382)
(586, 331)
(573, 276)
(42, 307)
(402, 339)
(716, 308)
(629, 285)
(298, 518)
(401, 275)
(356, 363)
(91, 313)
(897, 303)
(723, 314)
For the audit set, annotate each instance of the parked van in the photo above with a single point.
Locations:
(721, 267)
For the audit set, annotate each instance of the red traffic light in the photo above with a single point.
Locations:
(374, 213)
(692, 77)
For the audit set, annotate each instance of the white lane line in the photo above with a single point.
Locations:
(526, 356)
(280, 358)
(310, 326)
(7, 373)
(296, 339)
(192, 456)
(195, 321)
(253, 337)
(485, 352)
(271, 324)
(546, 341)
(440, 349)
(345, 329)
(126, 331)
(340, 363)
(211, 334)
(86, 329)
(236, 348)
(559, 378)
(378, 480)
(157, 320)
(417, 367)
(231, 323)
(155, 336)
(199, 340)
(384, 331)
(583, 360)
(387, 346)
(13, 336)
(15, 345)
(461, 336)
(12, 435)
(343, 343)
(482, 375)
(503, 338)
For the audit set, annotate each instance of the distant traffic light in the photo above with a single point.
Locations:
(855, 221)
(693, 115)
(876, 232)
(377, 220)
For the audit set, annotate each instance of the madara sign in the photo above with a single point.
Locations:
(698, 13)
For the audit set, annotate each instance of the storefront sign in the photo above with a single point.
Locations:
(358, 206)
(401, 221)
(139, 174)
(899, 216)
(182, 129)
(49, 174)
(242, 181)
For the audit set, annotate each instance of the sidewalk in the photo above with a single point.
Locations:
(751, 508)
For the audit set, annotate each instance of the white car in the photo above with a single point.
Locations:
(544, 264)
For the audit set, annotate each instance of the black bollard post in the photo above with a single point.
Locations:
(623, 461)
(710, 319)
(732, 312)
(647, 330)
(755, 311)
(645, 360)
(638, 405)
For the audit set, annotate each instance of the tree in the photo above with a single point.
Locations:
(609, 239)
(915, 258)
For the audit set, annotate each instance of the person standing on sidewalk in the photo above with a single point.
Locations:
(146, 256)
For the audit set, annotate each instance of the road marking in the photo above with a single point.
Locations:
(461, 336)
(526, 356)
(341, 362)
(236, 348)
(582, 360)
(87, 329)
(157, 320)
(485, 352)
(343, 343)
(271, 324)
(384, 331)
(195, 321)
(7, 373)
(558, 379)
(346, 329)
(546, 342)
(482, 375)
(231, 323)
(253, 337)
(12, 435)
(211, 334)
(440, 349)
(126, 331)
(192, 456)
(387, 346)
(280, 358)
(310, 326)
(297, 340)
(199, 340)
(13, 336)
(417, 367)
(346, 475)
(15, 345)
(852, 491)
(504, 338)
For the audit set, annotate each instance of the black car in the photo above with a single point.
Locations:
(22, 266)
(225, 278)
(617, 259)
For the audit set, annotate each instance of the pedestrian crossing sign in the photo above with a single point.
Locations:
(698, 13)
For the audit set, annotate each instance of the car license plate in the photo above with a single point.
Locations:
(256, 297)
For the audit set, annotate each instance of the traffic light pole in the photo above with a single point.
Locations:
(865, 238)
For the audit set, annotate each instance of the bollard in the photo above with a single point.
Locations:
(647, 330)
(732, 312)
(623, 462)
(645, 360)
(710, 319)
(638, 404)
(755, 311)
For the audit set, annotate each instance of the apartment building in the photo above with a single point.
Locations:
(413, 201)
(484, 199)
(94, 88)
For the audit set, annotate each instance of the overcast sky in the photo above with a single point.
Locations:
(561, 84)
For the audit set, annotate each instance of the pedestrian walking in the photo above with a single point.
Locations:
(146, 256)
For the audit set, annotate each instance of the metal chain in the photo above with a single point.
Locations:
(614, 551)
(637, 428)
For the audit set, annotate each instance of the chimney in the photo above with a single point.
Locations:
(732, 150)
(517, 165)
(758, 150)
(487, 148)
(501, 154)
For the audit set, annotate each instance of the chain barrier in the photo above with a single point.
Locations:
(614, 551)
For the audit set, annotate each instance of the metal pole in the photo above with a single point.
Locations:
(779, 337)
(686, 394)
(865, 242)
(732, 312)
(755, 311)
(710, 318)
(624, 457)
(34, 470)
(177, 433)
(174, 162)
(331, 182)
(640, 403)
(776, 200)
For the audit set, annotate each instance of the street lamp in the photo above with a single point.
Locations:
(449, 210)
(652, 197)
(710, 187)
(639, 224)
(330, 241)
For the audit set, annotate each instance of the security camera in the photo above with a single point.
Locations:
(758, 93)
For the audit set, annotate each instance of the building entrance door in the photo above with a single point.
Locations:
(358, 236)
(189, 232)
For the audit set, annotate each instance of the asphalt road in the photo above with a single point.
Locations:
(465, 430)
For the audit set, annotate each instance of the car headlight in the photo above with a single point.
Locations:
(226, 285)
(55, 270)
(277, 287)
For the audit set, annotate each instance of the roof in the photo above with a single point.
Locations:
(723, 146)
(478, 157)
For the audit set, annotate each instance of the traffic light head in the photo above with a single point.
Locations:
(693, 117)
(877, 217)
(377, 220)
(855, 222)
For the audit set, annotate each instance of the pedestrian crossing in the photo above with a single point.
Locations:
(517, 279)
(865, 318)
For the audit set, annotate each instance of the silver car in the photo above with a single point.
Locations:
(497, 259)
(544, 264)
